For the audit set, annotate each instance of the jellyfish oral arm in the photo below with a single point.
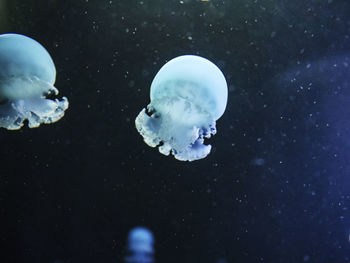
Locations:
(171, 128)
(36, 111)
(148, 127)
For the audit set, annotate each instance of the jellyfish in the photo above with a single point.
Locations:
(188, 95)
(27, 77)
(140, 246)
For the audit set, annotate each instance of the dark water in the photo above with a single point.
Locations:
(276, 187)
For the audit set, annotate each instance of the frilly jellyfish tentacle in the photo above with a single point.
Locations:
(36, 111)
(27, 76)
(188, 94)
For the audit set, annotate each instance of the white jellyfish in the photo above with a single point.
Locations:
(188, 94)
(27, 75)
(140, 246)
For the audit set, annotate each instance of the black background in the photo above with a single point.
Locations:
(275, 187)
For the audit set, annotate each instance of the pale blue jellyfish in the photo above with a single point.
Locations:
(140, 246)
(188, 94)
(27, 75)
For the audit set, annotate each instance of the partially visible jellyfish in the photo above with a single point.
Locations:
(27, 75)
(188, 94)
(140, 246)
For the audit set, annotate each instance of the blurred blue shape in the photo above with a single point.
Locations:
(140, 246)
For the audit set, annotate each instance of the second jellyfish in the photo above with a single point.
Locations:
(188, 95)
(27, 77)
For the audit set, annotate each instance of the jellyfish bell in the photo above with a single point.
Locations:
(188, 95)
(27, 76)
(195, 79)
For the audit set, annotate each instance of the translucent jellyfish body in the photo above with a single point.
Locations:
(140, 246)
(27, 75)
(188, 95)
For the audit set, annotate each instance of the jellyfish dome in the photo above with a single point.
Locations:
(27, 76)
(188, 95)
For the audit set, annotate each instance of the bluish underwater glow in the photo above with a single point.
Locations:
(27, 76)
(188, 95)
(140, 246)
